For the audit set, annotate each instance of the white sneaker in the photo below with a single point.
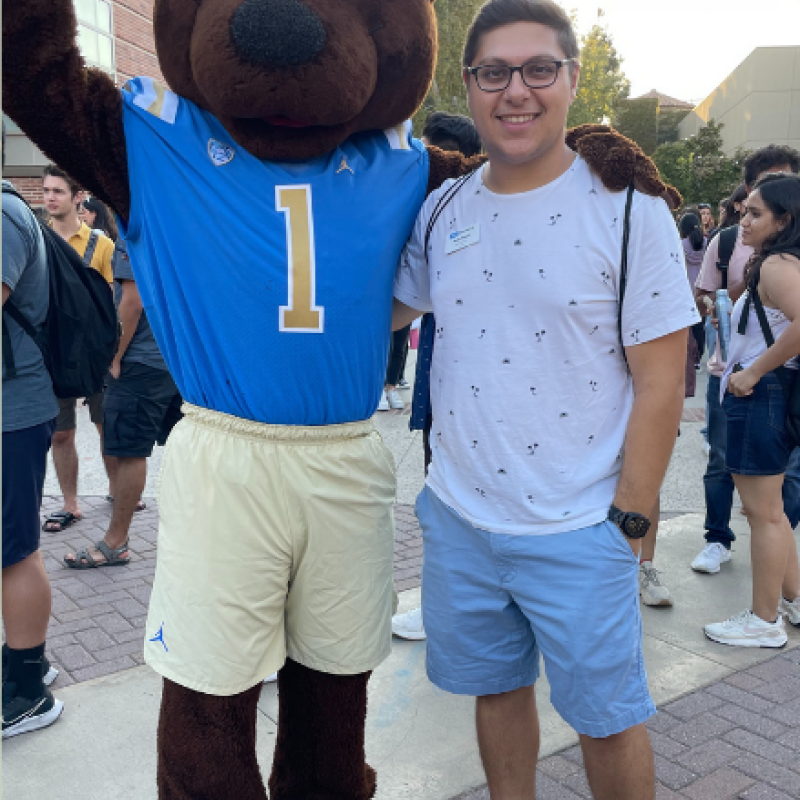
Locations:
(748, 630)
(404, 384)
(395, 401)
(409, 625)
(790, 610)
(650, 589)
(383, 405)
(711, 557)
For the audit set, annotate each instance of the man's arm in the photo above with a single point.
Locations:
(6, 293)
(403, 315)
(130, 310)
(658, 369)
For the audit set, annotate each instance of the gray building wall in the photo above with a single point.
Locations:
(759, 102)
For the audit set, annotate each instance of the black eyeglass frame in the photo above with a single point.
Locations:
(511, 70)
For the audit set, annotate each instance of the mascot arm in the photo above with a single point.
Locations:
(72, 113)
(615, 159)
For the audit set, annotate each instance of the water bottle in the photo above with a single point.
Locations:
(723, 308)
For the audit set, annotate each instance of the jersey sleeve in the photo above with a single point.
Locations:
(710, 278)
(658, 298)
(412, 284)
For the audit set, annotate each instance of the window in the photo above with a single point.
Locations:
(95, 33)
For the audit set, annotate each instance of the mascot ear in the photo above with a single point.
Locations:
(619, 161)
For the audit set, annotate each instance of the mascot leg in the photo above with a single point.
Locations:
(207, 746)
(319, 754)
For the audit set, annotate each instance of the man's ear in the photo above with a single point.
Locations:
(465, 77)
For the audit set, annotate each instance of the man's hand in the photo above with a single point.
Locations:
(115, 368)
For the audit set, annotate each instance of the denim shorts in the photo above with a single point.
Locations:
(758, 443)
(493, 602)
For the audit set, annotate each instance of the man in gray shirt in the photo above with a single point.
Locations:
(140, 407)
(29, 412)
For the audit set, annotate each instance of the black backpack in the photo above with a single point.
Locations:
(80, 335)
(791, 390)
(727, 241)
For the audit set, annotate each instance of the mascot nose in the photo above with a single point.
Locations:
(279, 33)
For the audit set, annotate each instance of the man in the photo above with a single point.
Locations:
(447, 132)
(140, 408)
(29, 412)
(530, 498)
(717, 481)
(62, 197)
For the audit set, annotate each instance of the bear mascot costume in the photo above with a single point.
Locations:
(265, 195)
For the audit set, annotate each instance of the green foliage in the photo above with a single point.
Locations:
(602, 83)
(638, 120)
(447, 92)
(668, 121)
(698, 168)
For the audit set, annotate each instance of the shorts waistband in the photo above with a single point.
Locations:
(301, 434)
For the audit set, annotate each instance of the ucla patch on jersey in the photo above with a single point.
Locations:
(220, 153)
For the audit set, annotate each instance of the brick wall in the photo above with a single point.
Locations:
(30, 189)
(133, 39)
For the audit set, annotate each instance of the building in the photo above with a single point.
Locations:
(758, 103)
(114, 35)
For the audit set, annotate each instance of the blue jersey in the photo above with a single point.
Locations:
(268, 286)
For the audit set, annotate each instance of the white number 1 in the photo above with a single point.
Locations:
(301, 314)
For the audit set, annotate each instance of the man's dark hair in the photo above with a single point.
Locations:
(52, 171)
(765, 158)
(497, 13)
(452, 132)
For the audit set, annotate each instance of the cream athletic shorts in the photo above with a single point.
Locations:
(273, 540)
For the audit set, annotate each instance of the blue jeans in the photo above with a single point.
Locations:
(719, 483)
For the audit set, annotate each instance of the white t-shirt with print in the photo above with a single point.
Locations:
(529, 388)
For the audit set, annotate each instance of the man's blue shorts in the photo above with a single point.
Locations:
(492, 602)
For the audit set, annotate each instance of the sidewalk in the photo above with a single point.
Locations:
(729, 721)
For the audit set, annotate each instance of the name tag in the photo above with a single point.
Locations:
(458, 240)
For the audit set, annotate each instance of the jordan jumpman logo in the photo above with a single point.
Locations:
(159, 637)
(344, 165)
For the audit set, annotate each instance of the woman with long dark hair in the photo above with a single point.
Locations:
(97, 216)
(755, 389)
(733, 207)
(694, 248)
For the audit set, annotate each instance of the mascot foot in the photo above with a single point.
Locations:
(319, 753)
(207, 746)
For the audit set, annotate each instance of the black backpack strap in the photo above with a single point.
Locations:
(442, 204)
(727, 242)
(21, 320)
(91, 246)
(623, 267)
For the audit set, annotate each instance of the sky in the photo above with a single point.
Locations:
(686, 48)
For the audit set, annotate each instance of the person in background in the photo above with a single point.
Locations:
(457, 133)
(717, 480)
(63, 197)
(694, 247)
(97, 216)
(756, 387)
(733, 207)
(706, 218)
(395, 369)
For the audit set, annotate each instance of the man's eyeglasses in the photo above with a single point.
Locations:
(537, 74)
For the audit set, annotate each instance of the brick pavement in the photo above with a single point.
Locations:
(98, 617)
(737, 738)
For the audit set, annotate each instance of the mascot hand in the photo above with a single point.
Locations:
(618, 161)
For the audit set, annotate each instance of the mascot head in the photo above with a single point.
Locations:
(292, 79)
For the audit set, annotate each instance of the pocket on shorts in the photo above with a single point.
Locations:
(121, 426)
(777, 408)
(620, 541)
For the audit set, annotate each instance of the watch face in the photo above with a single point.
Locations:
(636, 527)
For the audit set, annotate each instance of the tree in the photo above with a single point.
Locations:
(447, 92)
(638, 120)
(698, 168)
(602, 82)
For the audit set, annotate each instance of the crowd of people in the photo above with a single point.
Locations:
(549, 388)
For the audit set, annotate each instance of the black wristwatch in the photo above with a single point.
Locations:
(633, 525)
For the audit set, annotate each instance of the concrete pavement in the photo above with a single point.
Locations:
(422, 740)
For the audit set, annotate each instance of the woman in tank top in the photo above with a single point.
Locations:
(758, 445)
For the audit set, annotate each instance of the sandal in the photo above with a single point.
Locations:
(140, 506)
(61, 518)
(83, 558)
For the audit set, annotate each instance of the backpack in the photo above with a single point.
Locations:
(791, 391)
(80, 335)
(727, 241)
